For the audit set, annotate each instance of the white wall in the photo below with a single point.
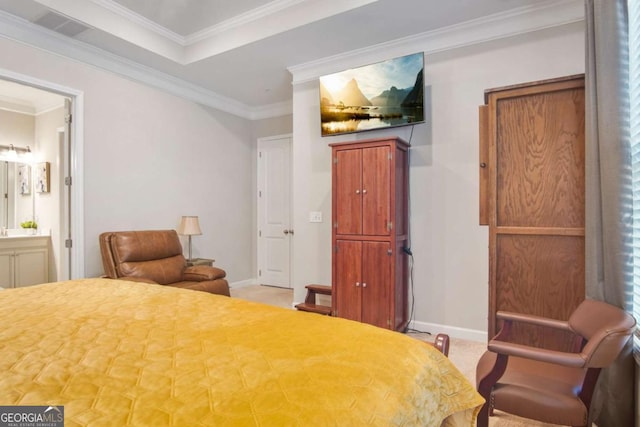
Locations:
(150, 157)
(450, 248)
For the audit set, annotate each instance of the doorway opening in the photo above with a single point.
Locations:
(56, 146)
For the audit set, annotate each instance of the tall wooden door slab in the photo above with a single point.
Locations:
(532, 137)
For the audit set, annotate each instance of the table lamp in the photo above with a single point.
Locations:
(189, 226)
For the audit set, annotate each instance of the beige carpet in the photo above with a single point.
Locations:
(464, 354)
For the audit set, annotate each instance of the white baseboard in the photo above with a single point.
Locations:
(432, 328)
(452, 331)
(243, 283)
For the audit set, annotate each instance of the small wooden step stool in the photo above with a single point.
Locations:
(310, 303)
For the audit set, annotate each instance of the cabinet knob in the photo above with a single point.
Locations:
(483, 165)
(364, 285)
(357, 191)
(357, 284)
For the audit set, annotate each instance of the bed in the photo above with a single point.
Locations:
(123, 353)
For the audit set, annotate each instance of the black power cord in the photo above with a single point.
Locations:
(407, 249)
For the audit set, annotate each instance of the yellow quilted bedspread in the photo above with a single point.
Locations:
(120, 353)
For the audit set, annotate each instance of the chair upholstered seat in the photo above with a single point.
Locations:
(537, 390)
(155, 256)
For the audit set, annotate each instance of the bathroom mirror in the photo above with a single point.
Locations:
(16, 187)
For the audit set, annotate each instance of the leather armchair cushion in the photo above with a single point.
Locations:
(145, 246)
(162, 271)
(203, 272)
(218, 286)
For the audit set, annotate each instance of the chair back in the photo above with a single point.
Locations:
(606, 329)
(149, 254)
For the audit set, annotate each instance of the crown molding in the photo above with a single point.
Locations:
(254, 26)
(140, 20)
(22, 31)
(113, 21)
(547, 14)
(248, 17)
(248, 27)
(45, 108)
(16, 106)
(272, 110)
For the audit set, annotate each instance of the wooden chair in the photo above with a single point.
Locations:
(547, 385)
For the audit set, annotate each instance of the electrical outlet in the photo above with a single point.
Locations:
(315, 216)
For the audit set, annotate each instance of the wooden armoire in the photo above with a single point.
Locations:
(532, 197)
(370, 231)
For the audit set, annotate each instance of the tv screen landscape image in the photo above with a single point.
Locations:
(381, 95)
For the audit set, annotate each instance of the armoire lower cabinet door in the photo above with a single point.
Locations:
(376, 284)
(347, 270)
(363, 282)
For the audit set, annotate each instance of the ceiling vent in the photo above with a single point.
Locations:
(61, 24)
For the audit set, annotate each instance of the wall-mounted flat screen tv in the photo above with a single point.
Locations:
(381, 95)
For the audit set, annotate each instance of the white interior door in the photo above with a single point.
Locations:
(275, 234)
(65, 183)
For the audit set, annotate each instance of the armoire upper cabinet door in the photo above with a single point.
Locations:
(363, 191)
(348, 191)
(376, 191)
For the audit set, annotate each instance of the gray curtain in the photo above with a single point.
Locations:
(609, 206)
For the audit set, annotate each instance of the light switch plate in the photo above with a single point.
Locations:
(315, 216)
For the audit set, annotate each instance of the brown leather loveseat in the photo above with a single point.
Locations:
(155, 256)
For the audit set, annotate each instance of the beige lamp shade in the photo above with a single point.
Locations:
(189, 226)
